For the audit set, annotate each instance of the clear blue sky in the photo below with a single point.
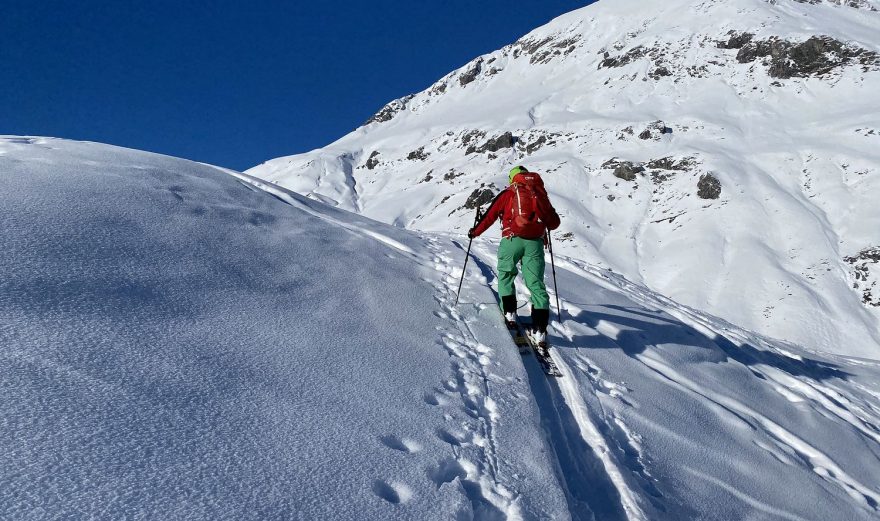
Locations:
(234, 83)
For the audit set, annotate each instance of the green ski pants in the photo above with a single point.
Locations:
(531, 252)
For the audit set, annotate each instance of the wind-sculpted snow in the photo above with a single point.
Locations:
(771, 104)
(176, 343)
(180, 341)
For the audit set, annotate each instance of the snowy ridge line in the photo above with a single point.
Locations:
(290, 198)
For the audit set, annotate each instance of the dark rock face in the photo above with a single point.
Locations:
(545, 50)
(372, 162)
(862, 274)
(390, 110)
(627, 170)
(645, 134)
(480, 197)
(855, 4)
(659, 72)
(708, 187)
(494, 144)
(669, 163)
(815, 57)
(452, 174)
(419, 154)
(736, 41)
(623, 59)
(471, 74)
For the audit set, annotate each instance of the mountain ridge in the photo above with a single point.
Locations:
(670, 134)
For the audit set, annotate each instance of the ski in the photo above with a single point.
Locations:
(548, 365)
(518, 337)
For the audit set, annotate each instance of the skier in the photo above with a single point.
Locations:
(526, 215)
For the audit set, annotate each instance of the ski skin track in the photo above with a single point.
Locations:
(562, 393)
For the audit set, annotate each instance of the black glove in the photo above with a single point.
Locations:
(471, 234)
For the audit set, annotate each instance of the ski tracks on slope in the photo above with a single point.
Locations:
(594, 450)
(821, 396)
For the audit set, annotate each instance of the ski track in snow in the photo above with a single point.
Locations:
(587, 464)
(587, 436)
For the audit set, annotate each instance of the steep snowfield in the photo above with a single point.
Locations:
(177, 344)
(179, 341)
(722, 153)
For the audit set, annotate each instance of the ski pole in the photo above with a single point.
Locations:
(466, 257)
(553, 268)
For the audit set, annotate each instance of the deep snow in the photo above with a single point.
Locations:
(179, 341)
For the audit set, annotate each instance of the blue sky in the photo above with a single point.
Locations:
(234, 83)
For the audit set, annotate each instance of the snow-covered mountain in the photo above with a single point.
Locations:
(179, 341)
(723, 153)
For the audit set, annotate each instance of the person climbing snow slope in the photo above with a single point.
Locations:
(526, 217)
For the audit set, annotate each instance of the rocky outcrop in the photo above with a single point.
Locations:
(815, 57)
(655, 130)
(494, 144)
(372, 161)
(626, 170)
(855, 4)
(708, 187)
(418, 155)
(866, 274)
(390, 110)
(545, 50)
(471, 74)
(480, 197)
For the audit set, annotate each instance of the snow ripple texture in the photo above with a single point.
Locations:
(179, 341)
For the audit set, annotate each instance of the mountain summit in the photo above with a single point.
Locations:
(723, 153)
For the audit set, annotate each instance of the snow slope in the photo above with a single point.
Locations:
(721, 153)
(178, 344)
(179, 341)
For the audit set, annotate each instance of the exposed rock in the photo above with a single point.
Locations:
(480, 197)
(428, 177)
(708, 187)
(626, 170)
(545, 50)
(471, 74)
(669, 163)
(655, 131)
(866, 274)
(372, 162)
(452, 174)
(659, 72)
(494, 144)
(390, 110)
(419, 154)
(855, 4)
(471, 136)
(815, 57)
(736, 41)
(543, 139)
(437, 89)
(623, 59)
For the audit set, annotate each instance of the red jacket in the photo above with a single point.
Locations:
(546, 213)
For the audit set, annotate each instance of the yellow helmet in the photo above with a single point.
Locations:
(516, 170)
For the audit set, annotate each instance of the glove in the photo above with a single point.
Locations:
(471, 234)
